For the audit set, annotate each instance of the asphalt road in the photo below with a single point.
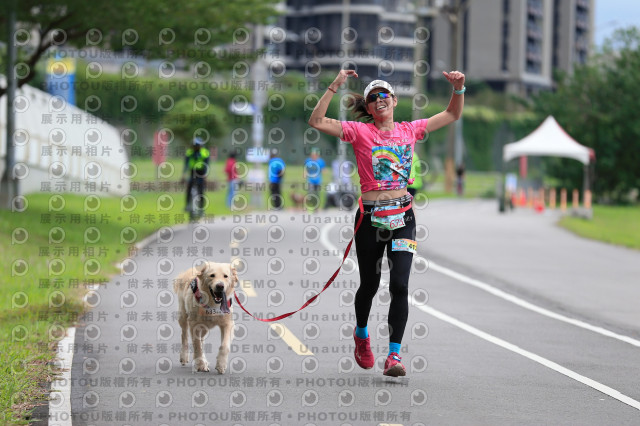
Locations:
(512, 321)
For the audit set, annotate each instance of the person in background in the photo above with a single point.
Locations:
(313, 167)
(460, 179)
(332, 198)
(276, 174)
(196, 169)
(232, 177)
(416, 175)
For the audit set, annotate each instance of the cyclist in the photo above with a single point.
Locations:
(196, 169)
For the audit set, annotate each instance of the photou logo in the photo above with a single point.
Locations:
(126, 366)
(90, 366)
(310, 398)
(274, 365)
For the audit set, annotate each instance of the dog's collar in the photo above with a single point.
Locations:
(196, 293)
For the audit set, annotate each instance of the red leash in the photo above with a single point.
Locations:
(333, 277)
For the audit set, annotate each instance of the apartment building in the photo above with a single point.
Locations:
(379, 39)
(512, 45)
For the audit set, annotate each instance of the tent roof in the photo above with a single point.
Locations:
(549, 139)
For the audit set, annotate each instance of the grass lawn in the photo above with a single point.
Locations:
(477, 184)
(611, 224)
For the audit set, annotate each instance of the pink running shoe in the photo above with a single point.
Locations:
(393, 366)
(364, 356)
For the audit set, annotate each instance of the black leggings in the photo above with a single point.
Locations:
(370, 244)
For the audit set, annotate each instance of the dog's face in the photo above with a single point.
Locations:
(217, 280)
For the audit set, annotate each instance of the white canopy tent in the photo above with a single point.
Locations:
(549, 139)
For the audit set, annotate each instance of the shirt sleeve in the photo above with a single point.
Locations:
(349, 130)
(420, 128)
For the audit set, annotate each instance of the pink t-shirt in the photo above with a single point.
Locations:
(383, 158)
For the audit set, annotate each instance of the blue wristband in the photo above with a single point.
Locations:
(461, 91)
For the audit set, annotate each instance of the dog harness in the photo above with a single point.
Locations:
(208, 310)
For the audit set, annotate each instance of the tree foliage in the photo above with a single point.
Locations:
(597, 106)
(192, 30)
(188, 121)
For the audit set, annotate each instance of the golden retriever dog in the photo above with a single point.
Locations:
(204, 301)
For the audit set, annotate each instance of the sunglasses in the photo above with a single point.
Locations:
(374, 96)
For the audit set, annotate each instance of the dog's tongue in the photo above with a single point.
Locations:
(224, 305)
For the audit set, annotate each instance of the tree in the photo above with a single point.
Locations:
(597, 106)
(187, 121)
(190, 30)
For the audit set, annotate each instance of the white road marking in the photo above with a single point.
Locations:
(533, 357)
(613, 393)
(530, 306)
(60, 402)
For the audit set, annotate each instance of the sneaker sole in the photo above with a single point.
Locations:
(395, 371)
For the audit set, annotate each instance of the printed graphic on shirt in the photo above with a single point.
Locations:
(392, 163)
(404, 244)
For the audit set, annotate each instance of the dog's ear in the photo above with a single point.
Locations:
(201, 269)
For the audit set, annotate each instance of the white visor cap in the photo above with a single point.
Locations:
(378, 84)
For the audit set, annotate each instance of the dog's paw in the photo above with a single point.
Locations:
(221, 368)
(184, 359)
(201, 364)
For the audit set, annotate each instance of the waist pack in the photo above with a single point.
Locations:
(387, 217)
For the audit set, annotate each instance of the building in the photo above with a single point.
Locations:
(515, 45)
(379, 40)
(512, 45)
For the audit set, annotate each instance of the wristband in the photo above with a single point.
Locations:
(329, 88)
(461, 91)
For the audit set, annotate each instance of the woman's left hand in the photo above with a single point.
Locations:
(456, 78)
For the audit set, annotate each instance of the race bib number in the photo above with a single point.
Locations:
(388, 222)
(404, 245)
(209, 311)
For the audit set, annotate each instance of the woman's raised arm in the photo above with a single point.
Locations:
(318, 119)
(456, 104)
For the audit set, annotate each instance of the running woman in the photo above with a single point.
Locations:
(384, 151)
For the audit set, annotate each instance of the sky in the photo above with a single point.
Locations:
(612, 14)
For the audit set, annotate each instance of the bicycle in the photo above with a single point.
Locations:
(195, 209)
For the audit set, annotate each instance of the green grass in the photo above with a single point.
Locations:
(293, 181)
(477, 184)
(610, 224)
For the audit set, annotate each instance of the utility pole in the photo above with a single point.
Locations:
(259, 75)
(10, 187)
(454, 13)
(346, 18)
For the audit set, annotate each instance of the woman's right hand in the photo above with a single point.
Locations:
(319, 119)
(342, 77)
